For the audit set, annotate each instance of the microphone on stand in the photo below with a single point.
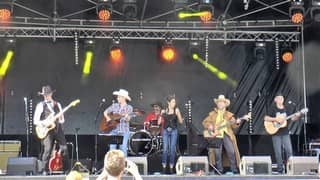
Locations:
(292, 103)
(103, 100)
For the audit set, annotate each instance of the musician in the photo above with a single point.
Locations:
(155, 117)
(124, 109)
(277, 113)
(224, 137)
(42, 111)
(172, 117)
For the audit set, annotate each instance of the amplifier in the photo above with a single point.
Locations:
(8, 149)
(314, 145)
(251, 165)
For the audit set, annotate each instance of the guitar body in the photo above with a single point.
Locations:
(55, 162)
(107, 126)
(273, 127)
(42, 131)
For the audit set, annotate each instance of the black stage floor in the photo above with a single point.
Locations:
(172, 177)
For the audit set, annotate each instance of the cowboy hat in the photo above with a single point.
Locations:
(122, 92)
(46, 90)
(222, 98)
(157, 103)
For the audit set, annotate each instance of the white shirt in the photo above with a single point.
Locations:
(39, 110)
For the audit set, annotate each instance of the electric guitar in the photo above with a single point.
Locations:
(55, 162)
(208, 133)
(42, 129)
(273, 127)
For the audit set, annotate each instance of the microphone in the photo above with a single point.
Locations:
(292, 103)
(25, 99)
(103, 100)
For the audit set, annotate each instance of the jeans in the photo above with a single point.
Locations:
(278, 142)
(124, 145)
(169, 143)
(228, 146)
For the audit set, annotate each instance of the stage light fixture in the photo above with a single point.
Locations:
(286, 53)
(130, 8)
(315, 10)
(206, 9)
(296, 11)
(194, 49)
(89, 54)
(116, 53)
(5, 65)
(6, 7)
(168, 51)
(104, 10)
(260, 50)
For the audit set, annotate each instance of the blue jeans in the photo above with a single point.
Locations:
(169, 143)
(279, 142)
(124, 145)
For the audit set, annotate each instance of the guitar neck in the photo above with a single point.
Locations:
(55, 117)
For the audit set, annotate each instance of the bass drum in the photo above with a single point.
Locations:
(141, 143)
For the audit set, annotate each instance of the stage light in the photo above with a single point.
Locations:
(116, 53)
(260, 50)
(89, 54)
(6, 63)
(315, 10)
(5, 10)
(194, 49)
(207, 10)
(296, 11)
(130, 8)
(287, 54)
(168, 51)
(104, 10)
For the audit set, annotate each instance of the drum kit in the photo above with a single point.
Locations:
(146, 140)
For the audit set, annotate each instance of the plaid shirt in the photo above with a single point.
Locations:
(123, 126)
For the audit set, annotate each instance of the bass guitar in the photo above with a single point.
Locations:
(55, 162)
(49, 123)
(208, 133)
(273, 127)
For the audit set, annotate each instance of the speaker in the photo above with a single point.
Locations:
(189, 164)
(22, 166)
(142, 164)
(8, 149)
(251, 165)
(301, 165)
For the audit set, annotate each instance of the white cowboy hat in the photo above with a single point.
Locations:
(222, 98)
(122, 92)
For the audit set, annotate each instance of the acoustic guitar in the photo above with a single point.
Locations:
(208, 133)
(43, 129)
(273, 127)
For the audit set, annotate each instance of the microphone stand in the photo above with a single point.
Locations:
(27, 124)
(96, 138)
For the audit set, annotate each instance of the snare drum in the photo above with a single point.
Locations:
(141, 143)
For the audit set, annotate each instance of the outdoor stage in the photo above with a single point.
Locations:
(164, 177)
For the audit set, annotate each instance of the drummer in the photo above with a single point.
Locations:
(154, 118)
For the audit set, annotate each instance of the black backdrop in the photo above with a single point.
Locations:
(40, 62)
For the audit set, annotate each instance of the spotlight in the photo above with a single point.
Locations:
(168, 52)
(116, 54)
(5, 65)
(315, 10)
(296, 11)
(5, 10)
(194, 49)
(207, 10)
(287, 53)
(130, 8)
(104, 10)
(260, 50)
(89, 46)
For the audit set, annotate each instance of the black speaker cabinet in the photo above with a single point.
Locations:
(22, 166)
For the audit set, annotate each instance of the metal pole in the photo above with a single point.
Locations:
(304, 86)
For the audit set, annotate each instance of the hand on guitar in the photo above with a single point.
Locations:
(280, 119)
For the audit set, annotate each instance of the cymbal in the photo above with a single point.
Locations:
(138, 112)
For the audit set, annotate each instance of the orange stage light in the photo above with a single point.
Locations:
(297, 17)
(116, 54)
(104, 14)
(5, 14)
(206, 16)
(287, 56)
(168, 53)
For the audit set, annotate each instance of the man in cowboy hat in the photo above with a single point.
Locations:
(154, 119)
(125, 111)
(219, 126)
(43, 110)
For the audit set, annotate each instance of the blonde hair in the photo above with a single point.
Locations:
(114, 162)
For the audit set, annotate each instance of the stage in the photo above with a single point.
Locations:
(164, 177)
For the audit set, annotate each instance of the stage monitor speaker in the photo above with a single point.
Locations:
(142, 164)
(8, 149)
(251, 165)
(190, 164)
(22, 166)
(302, 165)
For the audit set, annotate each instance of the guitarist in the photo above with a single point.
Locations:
(222, 137)
(277, 113)
(42, 111)
(124, 109)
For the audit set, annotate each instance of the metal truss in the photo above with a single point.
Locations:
(266, 30)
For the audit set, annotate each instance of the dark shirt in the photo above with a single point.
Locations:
(171, 120)
(273, 112)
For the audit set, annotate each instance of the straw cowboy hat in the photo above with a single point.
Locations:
(222, 98)
(122, 92)
(46, 90)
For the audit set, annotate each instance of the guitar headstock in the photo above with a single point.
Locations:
(75, 102)
(247, 116)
